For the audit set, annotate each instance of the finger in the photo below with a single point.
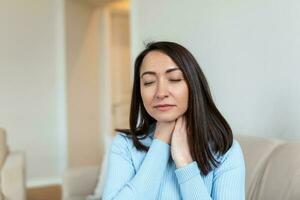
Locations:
(184, 122)
(177, 125)
(174, 126)
(183, 126)
(180, 123)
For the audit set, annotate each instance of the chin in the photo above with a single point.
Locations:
(165, 118)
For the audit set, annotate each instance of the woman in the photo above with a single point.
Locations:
(178, 146)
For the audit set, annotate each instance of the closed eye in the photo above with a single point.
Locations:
(148, 83)
(175, 80)
(172, 80)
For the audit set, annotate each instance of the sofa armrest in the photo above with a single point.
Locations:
(13, 177)
(80, 182)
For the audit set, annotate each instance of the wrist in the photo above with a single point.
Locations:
(184, 163)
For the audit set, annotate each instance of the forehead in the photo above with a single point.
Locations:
(157, 61)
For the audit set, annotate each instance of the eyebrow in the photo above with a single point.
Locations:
(153, 73)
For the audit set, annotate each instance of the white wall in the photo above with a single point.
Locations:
(55, 83)
(120, 66)
(32, 84)
(87, 90)
(249, 51)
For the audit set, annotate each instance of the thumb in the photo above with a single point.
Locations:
(178, 124)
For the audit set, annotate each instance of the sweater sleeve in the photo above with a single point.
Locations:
(228, 179)
(122, 182)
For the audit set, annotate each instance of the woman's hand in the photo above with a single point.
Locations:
(180, 150)
(163, 131)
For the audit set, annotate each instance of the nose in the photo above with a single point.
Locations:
(162, 90)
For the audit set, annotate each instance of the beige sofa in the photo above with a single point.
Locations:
(12, 172)
(272, 171)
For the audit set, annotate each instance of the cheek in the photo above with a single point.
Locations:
(183, 97)
(146, 97)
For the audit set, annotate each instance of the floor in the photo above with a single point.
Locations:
(45, 193)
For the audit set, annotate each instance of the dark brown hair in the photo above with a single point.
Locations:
(208, 132)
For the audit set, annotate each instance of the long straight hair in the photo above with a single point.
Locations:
(208, 131)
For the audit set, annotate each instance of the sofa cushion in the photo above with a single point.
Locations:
(103, 171)
(282, 174)
(13, 176)
(256, 151)
(3, 154)
(3, 147)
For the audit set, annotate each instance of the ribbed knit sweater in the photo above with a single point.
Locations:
(152, 175)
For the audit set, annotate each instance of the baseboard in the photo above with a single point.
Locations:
(41, 182)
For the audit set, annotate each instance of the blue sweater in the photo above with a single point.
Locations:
(152, 175)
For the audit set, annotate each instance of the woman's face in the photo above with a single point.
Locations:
(164, 90)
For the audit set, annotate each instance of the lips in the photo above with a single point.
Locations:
(164, 107)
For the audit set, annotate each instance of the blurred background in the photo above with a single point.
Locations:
(66, 70)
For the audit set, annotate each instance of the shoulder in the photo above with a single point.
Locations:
(122, 139)
(234, 152)
(121, 143)
(232, 159)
